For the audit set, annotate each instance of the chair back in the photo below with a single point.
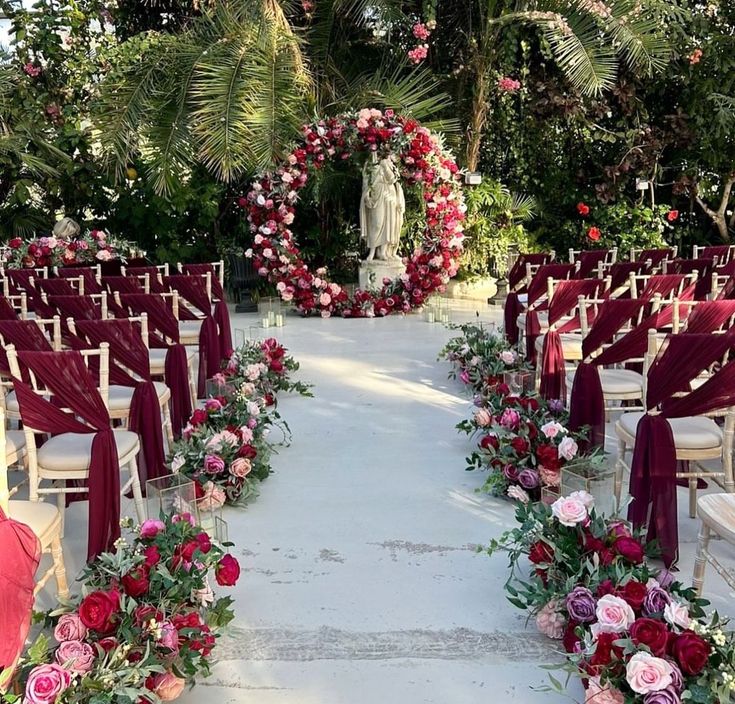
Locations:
(4, 488)
(217, 271)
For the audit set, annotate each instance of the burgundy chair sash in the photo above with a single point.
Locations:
(721, 251)
(127, 350)
(589, 260)
(155, 285)
(620, 273)
(23, 335)
(21, 553)
(653, 469)
(19, 280)
(67, 377)
(518, 271)
(7, 312)
(57, 287)
(76, 307)
(663, 284)
(512, 309)
(709, 316)
(122, 284)
(199, 269)
(655, 256)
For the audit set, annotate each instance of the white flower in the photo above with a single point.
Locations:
(508, 356)
(569, 511)
(253, 408)
(552, 429)
(585, 497)
(568, 448)
(677, 614)
(177, 463)
(518, 494)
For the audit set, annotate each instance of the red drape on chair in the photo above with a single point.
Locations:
(513, 307)
(703, 267)
(91, 285)
(21, 553)
(19, 280)
(155, 285)
(656, 256)
(663, 284)
(589, 260)
(122, 284)
(7, 312)
(23, 335)
(77, 307)
(67, 377)
(518, 271)
(128, 350)
(709, 316)
(653, 469)
(565, 299)
(620, 273)
(199, 269)
(721, 251)
(162, 319)
(56, 287)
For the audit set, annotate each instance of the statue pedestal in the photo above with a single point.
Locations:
(372, 273)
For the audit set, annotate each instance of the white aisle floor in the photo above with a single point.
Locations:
(361, 583)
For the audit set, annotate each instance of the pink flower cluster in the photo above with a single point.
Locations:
(508, 85)
(31, 70)
(422, 32)
(271, 202)
(418, 53)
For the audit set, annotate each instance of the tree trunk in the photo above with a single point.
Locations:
(719, 216)
(477, 122)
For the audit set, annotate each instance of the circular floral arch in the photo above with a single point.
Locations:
(421, 161)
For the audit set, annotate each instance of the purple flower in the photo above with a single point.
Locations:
(510, 471)
(665, 696)
(581, 605)
(213, 464)
(665, 578)
(556, 405)
(528, 479)
(677, 679)
(655, 601)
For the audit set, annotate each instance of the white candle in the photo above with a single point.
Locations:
(279, 320)
(271, 317)
(266, 322)
(430, 316)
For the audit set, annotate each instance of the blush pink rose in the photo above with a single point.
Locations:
(569, 511)
(169, 636)
(241, 467)
(70, 627)
(550, 621)
(614, 615)
(213, 464)
(483, 417)
(677, 614)
(75, 656)
(597, 694)
(646, 673)
(167, 686)
(552, 429)
(45, 684)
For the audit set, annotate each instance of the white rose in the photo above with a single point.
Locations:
(614, 615)
(569, 511)
(552, 429)
(568, 448)
(677, 614)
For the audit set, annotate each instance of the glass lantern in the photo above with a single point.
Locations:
(594, 475)
(172, 493)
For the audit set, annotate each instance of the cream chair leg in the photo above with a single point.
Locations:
(168, 425)
(192, 386)
(62, 588)
(700, 560)
(619, 471)
(61, 503)
(692, 497)
(137, 494)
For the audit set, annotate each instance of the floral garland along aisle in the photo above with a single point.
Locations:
(147, 620)
(423, 163)
(631, 633)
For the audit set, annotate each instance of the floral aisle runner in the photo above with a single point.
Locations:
(630, 632)
(147, 620)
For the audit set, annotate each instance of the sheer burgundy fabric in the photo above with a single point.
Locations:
(656, 256)
(66, 376)
(563, 302)
(91, 285)
(589, 260)
(518, 271)
(620, 273)
(703, 267)
(7, 312)
(162, 319)
(21, 553)
(199, 269)
(723, 252)
(662, 284)
(23, 335)
(512, 309)
(710, 316)
(57, 287)
(19, 280)
(122, 284)
(653, 469)
(77, 307)
(128, 351)
(155, 285)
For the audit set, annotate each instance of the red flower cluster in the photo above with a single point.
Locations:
(270, 207)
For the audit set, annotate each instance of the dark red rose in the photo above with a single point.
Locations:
(227, 571)
(152, 556)
(541, 553)
(519, 444)
(489, 441)
(605, 587)
(629, 549)
(571, 640)
(146, 612)
(548, 456)
(135, 583)
(98, 610)
(607, 556)
(107, 644)
(605, 650)
(15, 243)
(188, 549)
(634, 593)
(532, 430)
(247, 451)
(205, 544)
(198, 417)
(654, 634)
(592, 544)
(691, 652)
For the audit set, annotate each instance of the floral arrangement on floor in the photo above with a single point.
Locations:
(522, 439)
(632, 634)
(144, 626)
(90, 248)
(421, 162)
(226, 447)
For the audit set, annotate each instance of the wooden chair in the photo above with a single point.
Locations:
(67, 456)
(717, 515)
(45, 520)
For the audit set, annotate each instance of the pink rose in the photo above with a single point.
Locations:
(75, 656)
(569, 511)
(70, 627)
(677, 614)
(614, 615)
(214, 497)
(517, 494)
(646, 673)
(213, 464)
(508, 356)
(568, 448)
(151, 528)
(167, 686)
(483, 417)
(104, 255)
(212, 404)
(549, 477)
(241, 467)
(596, 694)
(45, 683)
(169, 636)
(550, 621)
(552, 429)
(510, 419)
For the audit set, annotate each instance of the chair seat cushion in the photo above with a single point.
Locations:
(571, 344)
(121, 396)
(621, 381)
(718, 511)
(72, 451)
(691, 433)
(157, 358)
(37, 515)
(189, 328)
(543, 319)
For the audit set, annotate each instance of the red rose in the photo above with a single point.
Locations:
(135, 583)
(15, 243)
(605, 651)
(672, 215)
(198, 417)
(592, 544)
(634, 593)
(205, 544)
(276, 366)
(227, 571)
(489, 441)
(548, 456)
(654, 634)
(145, 613)
(594, 234)
(583, 209)
(520, 445)
(629, 549)
(97, 611)
(571, 640)
(152, 556)
(605, 587)
(107, 644)
(691, 652)
(541, 552)
(188, 549)
(247, 451)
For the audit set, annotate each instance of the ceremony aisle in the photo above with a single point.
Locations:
(360, 579)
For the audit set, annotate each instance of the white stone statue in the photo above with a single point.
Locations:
(66, 229)
(382, 207)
